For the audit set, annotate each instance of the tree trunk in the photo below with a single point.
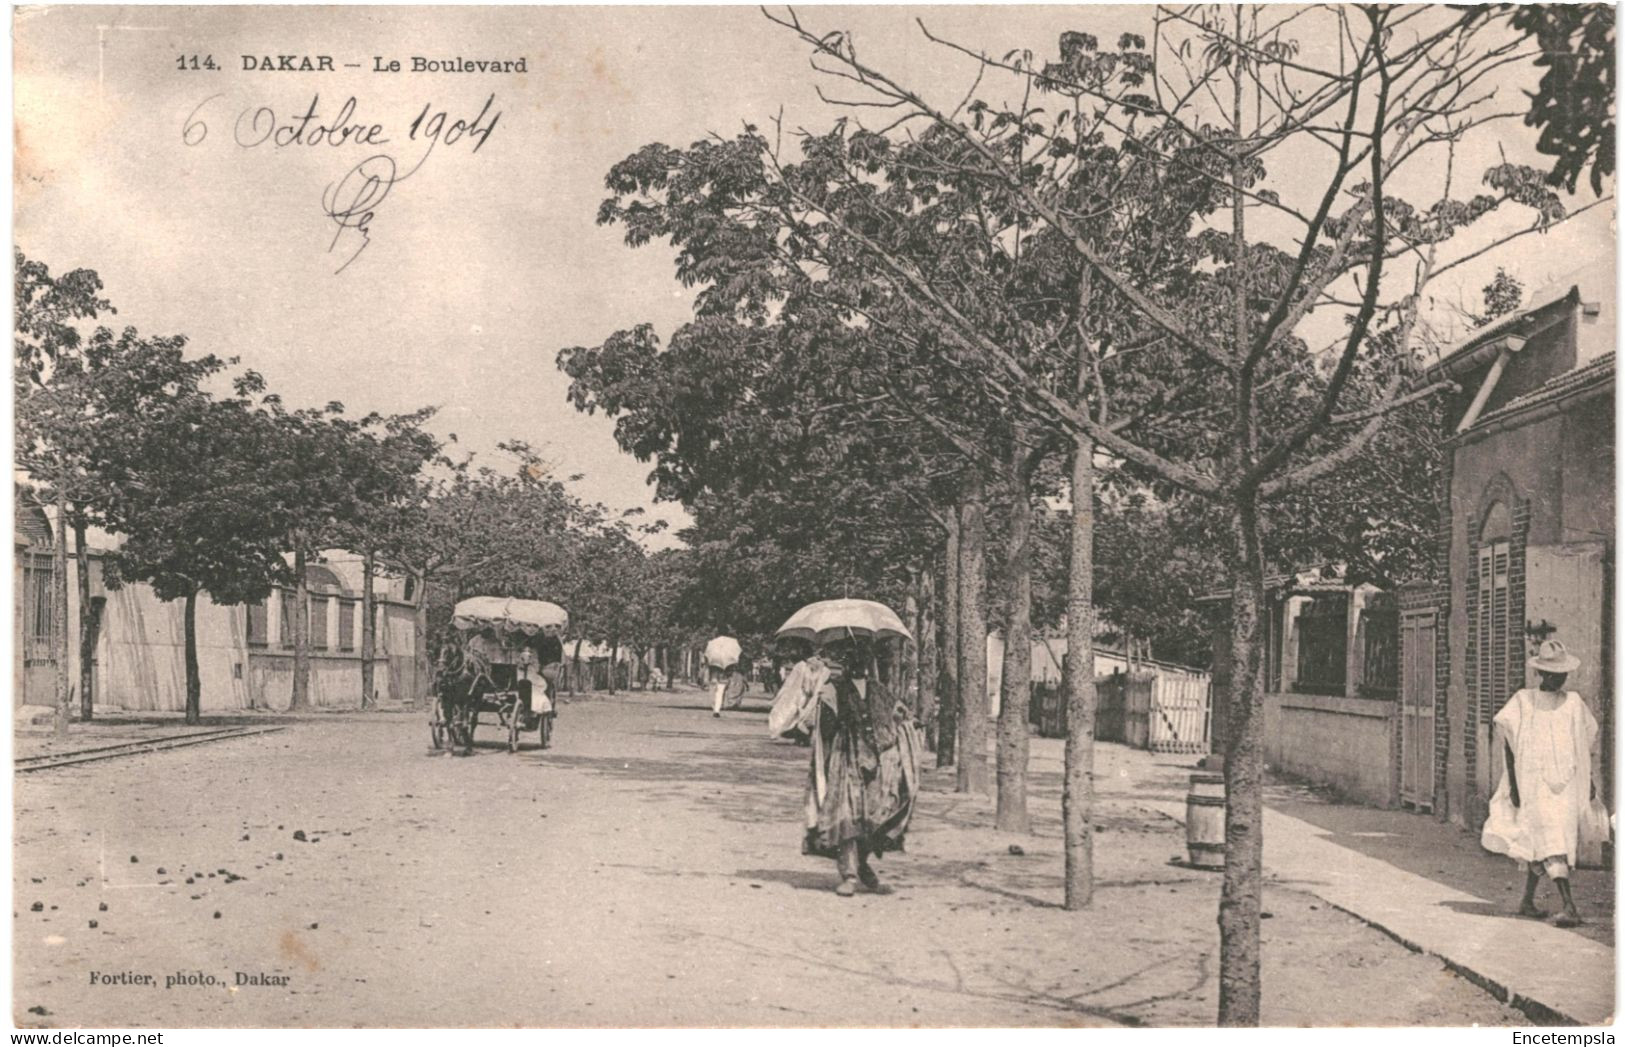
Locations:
(1078, 791)
(575, 669)
(930, 666)
(420, 633)
(301, 633)
(948, 692)
(194, 678)
(1016, 671)
(1220, 684)
(1239, 899)
(910, 649)
(369, 627)
(88, 623)
(972, 767)
(59, 619)
(1240, 896)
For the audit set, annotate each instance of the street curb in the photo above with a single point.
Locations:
(1538, 1012)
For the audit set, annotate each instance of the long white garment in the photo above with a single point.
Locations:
(1550, 737)
(794, 705)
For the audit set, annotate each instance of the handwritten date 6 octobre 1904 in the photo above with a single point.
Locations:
(352, 201)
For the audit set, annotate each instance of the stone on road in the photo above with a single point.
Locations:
(645, 871)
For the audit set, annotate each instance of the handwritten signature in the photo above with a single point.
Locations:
(352, 202)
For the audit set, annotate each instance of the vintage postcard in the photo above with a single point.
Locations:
(864, 516)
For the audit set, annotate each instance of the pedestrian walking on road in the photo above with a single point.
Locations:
(1546, 734)
(721, 655)
(865, 772)
(736, 684)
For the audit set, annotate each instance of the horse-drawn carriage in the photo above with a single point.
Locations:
(503, 660)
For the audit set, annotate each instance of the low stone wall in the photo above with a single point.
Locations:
(1346, 743)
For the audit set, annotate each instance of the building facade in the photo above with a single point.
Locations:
(1331, 681)
(245, 653)
(1525, 544)
(1390, 698)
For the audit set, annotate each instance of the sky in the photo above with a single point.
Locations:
(483, 263)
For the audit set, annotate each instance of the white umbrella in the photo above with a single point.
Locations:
(722, 652)
(829, 620)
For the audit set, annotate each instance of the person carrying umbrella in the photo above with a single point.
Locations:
(864, 774)
(721, 654)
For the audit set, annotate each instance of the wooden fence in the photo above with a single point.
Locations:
(1162, 712)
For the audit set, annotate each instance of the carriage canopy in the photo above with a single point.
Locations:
(507, 615)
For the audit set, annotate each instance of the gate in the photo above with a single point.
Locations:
(1179, 721)
(1417, 677)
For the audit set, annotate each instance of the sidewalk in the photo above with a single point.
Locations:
(1415, 879)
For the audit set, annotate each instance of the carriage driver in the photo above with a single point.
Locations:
(548, 647)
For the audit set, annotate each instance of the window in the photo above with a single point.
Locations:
(1490, 685)
(346, 625)
(1379, 647)
(37, 611)
(1274, 615)
(1323, 635)
(318, 623)
(259, 623)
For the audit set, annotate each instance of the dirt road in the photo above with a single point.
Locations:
(644, 871)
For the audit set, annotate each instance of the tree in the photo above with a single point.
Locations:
(383, 471)
(1151, 563)
(474, 529)
(1573, 106)
(328, 478)
(1502, 295)
(46, 341)
(191, 504)
(1223, 93)
(719, 206)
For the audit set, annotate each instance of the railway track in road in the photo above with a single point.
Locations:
(47, 761)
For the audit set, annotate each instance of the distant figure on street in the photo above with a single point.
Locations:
(721, 654)
(736, 684)
(548, 648)
(1546, 734)
(865, 772)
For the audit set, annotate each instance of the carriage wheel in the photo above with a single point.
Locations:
(437, 732)
(513, 729)
(545, 730)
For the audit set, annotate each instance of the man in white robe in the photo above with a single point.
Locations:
(1535, 814)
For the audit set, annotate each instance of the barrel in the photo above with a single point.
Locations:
(1204, 821)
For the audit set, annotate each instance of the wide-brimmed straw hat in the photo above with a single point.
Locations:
(1554, 658)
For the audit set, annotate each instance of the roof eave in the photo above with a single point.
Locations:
(1482, 346)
